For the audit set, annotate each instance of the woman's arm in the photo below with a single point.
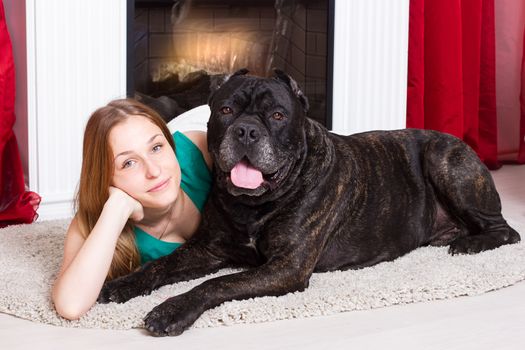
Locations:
(86, 262)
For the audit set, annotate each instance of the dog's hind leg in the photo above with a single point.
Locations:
(465, 189)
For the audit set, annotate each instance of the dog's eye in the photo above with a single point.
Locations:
(278, 116)
(226, 110)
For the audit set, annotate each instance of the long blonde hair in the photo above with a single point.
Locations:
(97, 172)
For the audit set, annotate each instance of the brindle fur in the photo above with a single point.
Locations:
(343, 202)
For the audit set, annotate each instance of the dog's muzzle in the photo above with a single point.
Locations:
(247, 133)
(248, 160)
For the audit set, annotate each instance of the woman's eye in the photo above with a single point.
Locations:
(127, 164)
(157, 148)
(278, 116)
(226, 110)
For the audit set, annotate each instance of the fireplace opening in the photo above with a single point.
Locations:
(179, 49)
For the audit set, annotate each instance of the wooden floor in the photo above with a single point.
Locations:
(494, 320)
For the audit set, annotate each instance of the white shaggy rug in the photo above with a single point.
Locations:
(30, 256)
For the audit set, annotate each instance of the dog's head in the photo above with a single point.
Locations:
(256, 132)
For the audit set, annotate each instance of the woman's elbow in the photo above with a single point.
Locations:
(69, 313)
(69, 309)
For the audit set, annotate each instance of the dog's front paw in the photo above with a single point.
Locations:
(470, 245)
(172, 317)
(120, 290)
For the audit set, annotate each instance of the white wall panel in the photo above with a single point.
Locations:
(370, 65)
(76, 62)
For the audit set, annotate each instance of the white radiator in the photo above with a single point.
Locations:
(370, 65)
(76, 53)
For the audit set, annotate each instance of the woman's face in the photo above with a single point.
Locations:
(145, 166)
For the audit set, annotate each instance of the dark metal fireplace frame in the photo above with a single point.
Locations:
(130, 54)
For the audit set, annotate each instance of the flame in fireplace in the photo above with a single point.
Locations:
(215, 53)
(217, 39)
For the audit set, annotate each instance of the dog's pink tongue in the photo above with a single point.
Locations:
(245, 176)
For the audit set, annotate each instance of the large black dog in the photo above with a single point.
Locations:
(290, 198)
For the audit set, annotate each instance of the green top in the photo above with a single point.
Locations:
(195, 175)
(195, 182)
(151, 248)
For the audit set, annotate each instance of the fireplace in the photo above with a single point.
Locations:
(178, 49)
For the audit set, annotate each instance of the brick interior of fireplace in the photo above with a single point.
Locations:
(180, 51)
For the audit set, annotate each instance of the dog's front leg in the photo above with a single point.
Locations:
(178, 313)
(190, 261)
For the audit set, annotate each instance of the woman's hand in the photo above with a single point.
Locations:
(135, 208)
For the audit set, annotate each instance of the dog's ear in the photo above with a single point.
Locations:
(288, 80)
(218, 80)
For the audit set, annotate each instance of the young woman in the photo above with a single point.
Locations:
(140, 195)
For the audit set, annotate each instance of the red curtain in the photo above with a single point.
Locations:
(452, 73)
(16, 204)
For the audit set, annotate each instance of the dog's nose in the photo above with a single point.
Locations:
(247, 133)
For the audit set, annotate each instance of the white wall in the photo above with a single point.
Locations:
(76, 61)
